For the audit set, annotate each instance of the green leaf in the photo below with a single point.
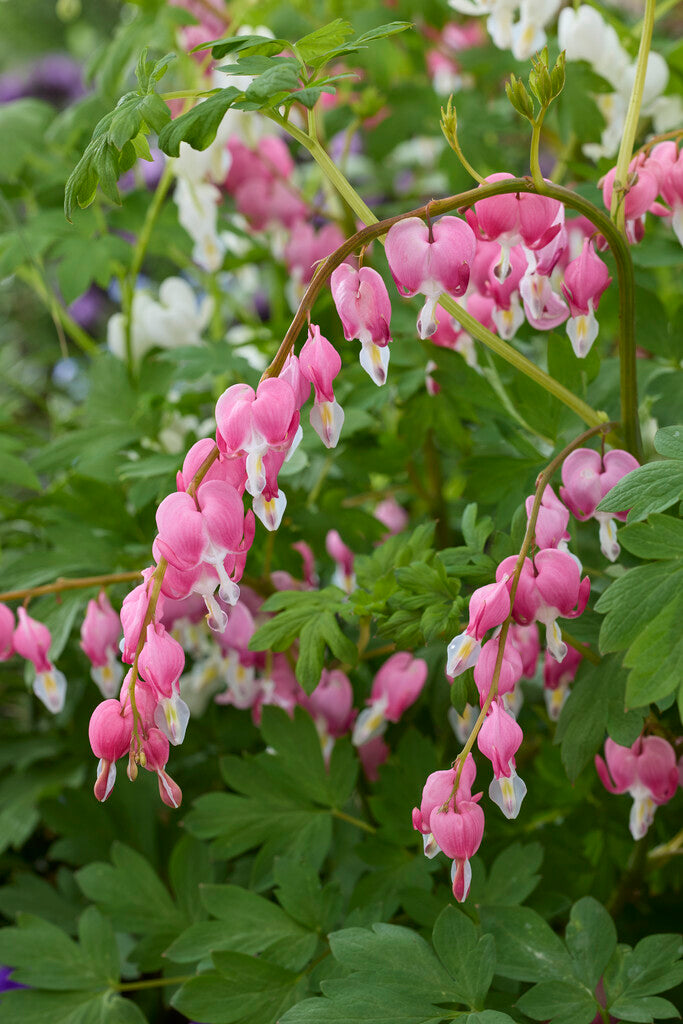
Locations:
(469, 961)
(596, 702)
(660, 537)
(17, 472)
(656, 657)
(650, 488)
(633, 600)
(130, 893)
(31, 1007)
(247, 990)
(559, 1001)
(300, 893)
(669, 442)
(198, 127)
(320, 42)
(635, 975)
(526, 947)
(252, 44)
(591, 939)
(513, 876)
(44, 957)
(298, 751)
(281, 78)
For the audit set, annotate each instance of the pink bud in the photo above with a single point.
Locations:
(364, 308)
(320, 363)
(585, 279)
(32, 641)
(332, 702)
(6, 632)
(110, 730)
(587, 478)
(392, 515)
(510, 669)
(400, 680)
(161, 660)
(340, 552)
(553, 517)
(100, 631)
(181, 538)
(291, 373)
(372, 756)
(499, 739)
(489, 607)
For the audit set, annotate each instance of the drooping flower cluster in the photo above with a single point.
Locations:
(547, 586)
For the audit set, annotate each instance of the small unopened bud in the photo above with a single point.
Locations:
(540, 84)
(132, 769)
(449, 122)
(557, 75)
(142, 758)
(519, 97)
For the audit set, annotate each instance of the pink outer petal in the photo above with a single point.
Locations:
(6, 631)
(582, 489)
(223, 514)
(538, 220)
(161, 660)
(233, 418)
(362, 303)
(459, 833)
(489, 607)
(407, 248)
(657, 769)
(400, 680)
(110, 730)
(498, 215)
(585, 279)
(527, 598)
(621, 766)
(499, 739)
(274, 409)
(320, 363)
(181, 531)
(32, 641)
(452, 254)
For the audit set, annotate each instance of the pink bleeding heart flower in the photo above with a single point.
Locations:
(587, 477)
(525, 640)
(161, 661)
(31, 640)
(320, 363)
(6, 632)
(585, 279)
(364, 307)
(499, 740)
(482, 308)
(458, 831)
(156, 751)
(438, 790)
(283, 580)
(372, 756)
(252, 423)
(509, 220)
(344, 576)
(666, 162)
(556, 680)
(280, 689)
(331, 707)
(647, 770)
(549, 588)
(638, 198)
(552, 520)
(543, 307)
(109, 732)
(506, 313)
(430, 260)
(100, 634)
(511, 668)
(489, 608)
(396, 686)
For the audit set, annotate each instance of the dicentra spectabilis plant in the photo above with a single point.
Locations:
(323, 597)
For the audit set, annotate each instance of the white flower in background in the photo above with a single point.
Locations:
(198, 203)
(517, 25)
(177, 318)
(585, 35)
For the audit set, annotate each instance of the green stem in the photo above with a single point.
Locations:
(358, 822)
(134, 986)
(632, 116)
(59, 314)
(534, 162)
(143, 239)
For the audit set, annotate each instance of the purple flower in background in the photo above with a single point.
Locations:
(88, 308)
(56, 78)
(149, 172)
(6, 982)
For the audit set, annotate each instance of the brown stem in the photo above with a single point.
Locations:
(73, 584)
